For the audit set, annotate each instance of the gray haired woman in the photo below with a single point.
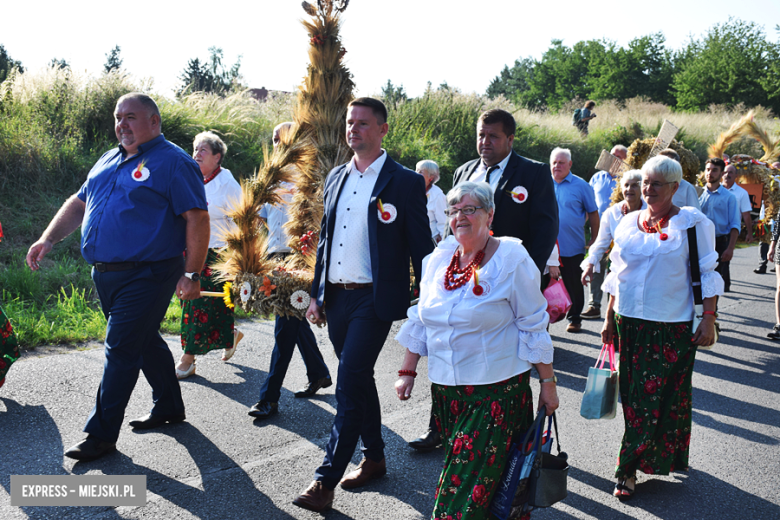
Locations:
(437, 202)
(482, 322)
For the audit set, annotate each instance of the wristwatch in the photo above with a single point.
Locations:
(195, 277)
(553, 379)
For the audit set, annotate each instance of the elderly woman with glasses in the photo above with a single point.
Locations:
(482, 322)
(437, 202)
(650, 313)
(632, 201)
(207, 323)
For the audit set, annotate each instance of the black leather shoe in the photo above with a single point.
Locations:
(761, 269)
(312, 386)
(90, 449)
(430, 441)
(264, 409)
(150, 421)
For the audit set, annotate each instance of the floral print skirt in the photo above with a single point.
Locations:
(206, 323)
(9, 347)
(477, 423)
(655, 379)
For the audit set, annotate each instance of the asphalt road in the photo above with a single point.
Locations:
(221, 464)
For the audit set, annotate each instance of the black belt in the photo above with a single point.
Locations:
(105, 267)
(350, 286)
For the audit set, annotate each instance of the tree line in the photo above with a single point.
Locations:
(734, 62)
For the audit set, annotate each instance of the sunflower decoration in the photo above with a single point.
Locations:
(314, 145)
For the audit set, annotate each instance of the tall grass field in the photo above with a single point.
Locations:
(56, 123)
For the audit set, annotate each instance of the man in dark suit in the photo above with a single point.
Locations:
(374, 221)
(524, 195)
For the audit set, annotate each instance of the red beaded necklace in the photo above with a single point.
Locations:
(450, 282)
(658, 227)
(211, 177)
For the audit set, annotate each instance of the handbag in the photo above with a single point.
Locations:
(599, 401)
(698, 301)
(532, 476)
(558, 300)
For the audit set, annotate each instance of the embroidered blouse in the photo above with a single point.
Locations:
(474, 340)
(609, 222)
(651, 278)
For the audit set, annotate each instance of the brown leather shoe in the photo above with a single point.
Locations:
(316, 498)
(574, 327)
(368, 470)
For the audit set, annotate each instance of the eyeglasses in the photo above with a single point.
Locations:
(655, 185)
(468, 210)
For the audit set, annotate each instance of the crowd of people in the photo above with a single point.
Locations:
(482, 253)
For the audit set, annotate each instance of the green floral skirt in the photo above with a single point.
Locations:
(477, 424)
(9, 348)
(655, 378)
(206, 323)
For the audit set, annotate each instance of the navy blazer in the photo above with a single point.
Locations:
(535, 219)
(392, 245)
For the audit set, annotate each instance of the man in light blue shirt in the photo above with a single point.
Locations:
(721, 208)
(603, 184)
(576, 205)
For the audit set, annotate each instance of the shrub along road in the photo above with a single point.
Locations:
(221, 464)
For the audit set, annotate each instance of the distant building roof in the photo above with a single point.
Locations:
(261, 94)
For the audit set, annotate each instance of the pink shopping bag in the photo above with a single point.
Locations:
(558, 300)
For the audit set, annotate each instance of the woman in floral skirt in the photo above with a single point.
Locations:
(651, 312)
(207, 323)
(9, 347)
(482, 322)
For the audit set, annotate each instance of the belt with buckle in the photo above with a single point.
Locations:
(104, 267)
(350, 286)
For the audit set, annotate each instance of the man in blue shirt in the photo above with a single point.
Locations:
(603, 184)
(576, 205)
(721, 208)
(141, 206)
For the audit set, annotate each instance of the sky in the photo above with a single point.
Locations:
(410, 42)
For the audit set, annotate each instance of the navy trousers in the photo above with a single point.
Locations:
(358, 336)
(134, 303)
(288, 332)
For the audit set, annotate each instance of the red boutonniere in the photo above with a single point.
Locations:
(268, 287)
(477, 290)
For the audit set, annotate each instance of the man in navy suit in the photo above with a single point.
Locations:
(526, 207)
(374, 221)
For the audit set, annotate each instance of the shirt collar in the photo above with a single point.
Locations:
(501, 165)
(375, 166)
(568, 178)
(143, 147)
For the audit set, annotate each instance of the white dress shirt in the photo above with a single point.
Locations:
(609, 222)
(476, 340)
(350, 258)
(222, 193)
(437, 204)
(742, 196)
(481, 171)
(686, 195)
(276, 216)
(651, 278)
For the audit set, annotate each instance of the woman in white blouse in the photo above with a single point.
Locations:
(437, 202)
(651, 312)
(207, 323)
(482, 322)
(629, 184)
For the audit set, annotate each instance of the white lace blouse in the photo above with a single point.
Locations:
(474, 340)
(651, 278)
(609, 222)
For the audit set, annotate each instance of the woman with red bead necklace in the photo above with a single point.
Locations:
(207, 323)
(482, 322)
(650, 314)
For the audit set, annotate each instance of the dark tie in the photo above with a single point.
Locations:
(490, 170)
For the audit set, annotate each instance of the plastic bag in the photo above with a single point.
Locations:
(558, 300)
